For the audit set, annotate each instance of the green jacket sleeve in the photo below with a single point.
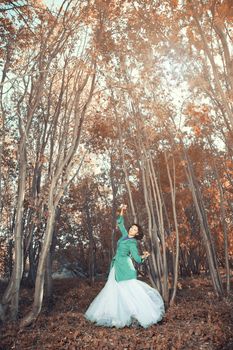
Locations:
(134, 252)
(121, 225)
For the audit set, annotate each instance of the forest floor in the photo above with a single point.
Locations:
(197, 321)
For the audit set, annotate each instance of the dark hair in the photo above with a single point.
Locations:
(140, 234)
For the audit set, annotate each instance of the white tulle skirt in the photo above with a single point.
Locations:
(120, 304)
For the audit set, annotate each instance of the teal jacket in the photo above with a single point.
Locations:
(126, 248)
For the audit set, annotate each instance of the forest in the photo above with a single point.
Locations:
(104, 102)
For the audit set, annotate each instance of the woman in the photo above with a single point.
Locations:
(125, 300)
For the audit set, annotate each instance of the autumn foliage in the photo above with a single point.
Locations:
(110, 102)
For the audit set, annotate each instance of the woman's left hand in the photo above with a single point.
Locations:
(145, 255)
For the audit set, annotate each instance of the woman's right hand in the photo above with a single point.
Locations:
(123, 209)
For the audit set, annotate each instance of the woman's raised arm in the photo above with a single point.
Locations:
(120, 221)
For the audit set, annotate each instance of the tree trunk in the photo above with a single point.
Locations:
(32, 266)
(91, 263)
(11, 295)
(173, 196)
(124, 167)
(210, 250)
(225, 233)
(215, 71)
(114, 208)
(43, 260)
(48, 279)
(156, 265)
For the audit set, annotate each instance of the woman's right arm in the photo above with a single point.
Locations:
(120, 221)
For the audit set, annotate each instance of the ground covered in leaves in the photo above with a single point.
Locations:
(197, 321)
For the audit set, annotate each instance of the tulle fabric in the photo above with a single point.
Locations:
(122, 303)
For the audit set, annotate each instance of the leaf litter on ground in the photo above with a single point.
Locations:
(198, 321)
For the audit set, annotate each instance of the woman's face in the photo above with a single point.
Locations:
(133, 231)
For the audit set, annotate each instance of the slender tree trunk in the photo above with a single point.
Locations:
(49, 263)
(210, 251)
(48, 279)
(173, 196)
(114, 208)
(40, 277)
(124, 166)
(91, 245)
(225, 233)
(226, 51)
(11, 294)
(216, 75)
(159, 209)
(32, 266)
(156, 266)
(3, 119)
